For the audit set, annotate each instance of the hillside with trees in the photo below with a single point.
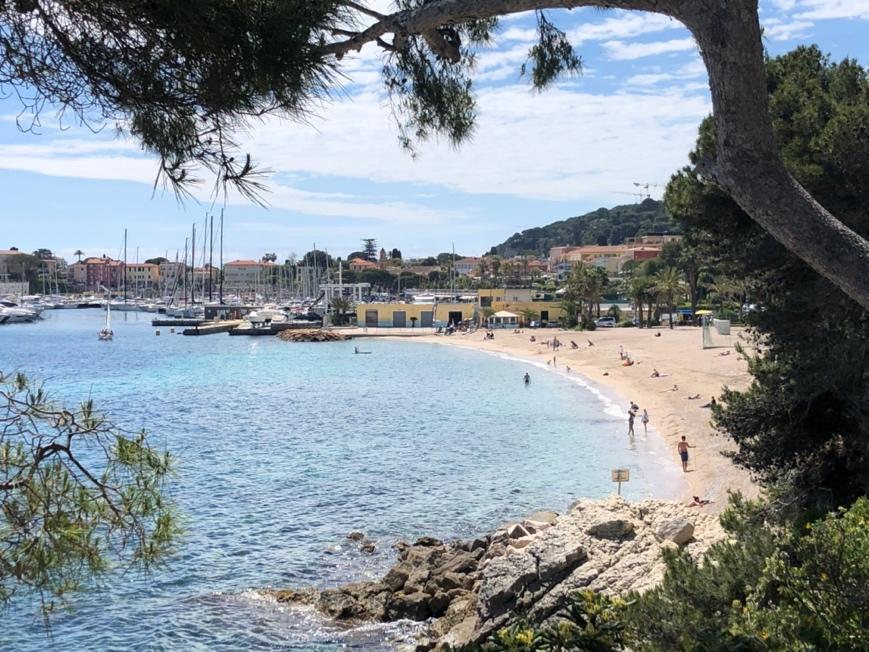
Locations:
(605, 226)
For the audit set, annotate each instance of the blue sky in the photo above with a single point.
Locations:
(535, 158)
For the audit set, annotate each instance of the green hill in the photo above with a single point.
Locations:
(605, 226)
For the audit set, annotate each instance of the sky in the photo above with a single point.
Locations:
(630, 118)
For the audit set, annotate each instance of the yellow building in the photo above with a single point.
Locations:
(410, 315)
(143, 276)
(520, 300)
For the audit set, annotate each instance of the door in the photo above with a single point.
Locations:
(425, 319)
(399, 319)
(371, 318)
(455, 317)
(544, 317)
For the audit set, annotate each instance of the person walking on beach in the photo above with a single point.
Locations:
(631, 416)
(645, 421)
(683, 447)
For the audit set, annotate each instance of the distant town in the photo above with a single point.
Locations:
(385, 271)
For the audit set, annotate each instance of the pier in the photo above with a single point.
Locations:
(274, 329)
(177, 322)
(210, 328)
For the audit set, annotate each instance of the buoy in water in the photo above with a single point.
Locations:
(172, 330)
(157, 333)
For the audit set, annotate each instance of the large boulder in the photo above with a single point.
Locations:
(413, 606)
(557, 561)
(503, 579)
(678, 530)
(396, 577)
(544, 516)
(615, 528)
(516, 531)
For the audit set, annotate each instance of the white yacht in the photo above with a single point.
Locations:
(267, 314)
(11, 313)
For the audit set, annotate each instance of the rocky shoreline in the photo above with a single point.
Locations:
(466, 590)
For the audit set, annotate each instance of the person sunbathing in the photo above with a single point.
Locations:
(693, 397)
(655, 374)
(698, 502)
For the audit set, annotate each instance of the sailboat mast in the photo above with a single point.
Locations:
(210, 255)
(193, 266)
(125, 266)
(204, 251)
(185, 272)
(221, 256)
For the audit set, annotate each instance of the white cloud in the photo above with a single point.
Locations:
(559, 145)
(654, 76)
(626, 25)
(784, 5)
(828, 9)
(621, 51)
(784, 31)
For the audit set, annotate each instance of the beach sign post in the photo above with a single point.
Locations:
(621, 475)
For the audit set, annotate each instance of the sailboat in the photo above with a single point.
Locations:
(106, 334)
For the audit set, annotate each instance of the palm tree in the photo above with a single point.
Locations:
(639, 290)
(342, 306)
(79, 253)
(596, 282)
(496, 270)
(482, 268)
(728, 289)
(668, 284)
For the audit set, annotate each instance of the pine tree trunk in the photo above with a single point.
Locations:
(748, 165)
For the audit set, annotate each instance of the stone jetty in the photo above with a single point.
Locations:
(469, 589)
(311, 335)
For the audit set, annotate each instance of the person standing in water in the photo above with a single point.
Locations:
(527, 378)
(645, 421)
(631, 416)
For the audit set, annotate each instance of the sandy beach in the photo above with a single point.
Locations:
(682, 364)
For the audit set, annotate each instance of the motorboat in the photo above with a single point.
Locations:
(124, 306)
(267, 315)
(12, 313)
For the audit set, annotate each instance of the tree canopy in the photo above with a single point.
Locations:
(183, 78)
(78, 495)
(804, 420)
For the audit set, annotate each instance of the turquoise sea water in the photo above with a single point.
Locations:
(283, 448)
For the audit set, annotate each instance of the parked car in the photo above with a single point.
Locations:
(606, 322)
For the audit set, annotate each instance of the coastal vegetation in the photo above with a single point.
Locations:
(604, 226)
(78, 497)
(803, 421)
